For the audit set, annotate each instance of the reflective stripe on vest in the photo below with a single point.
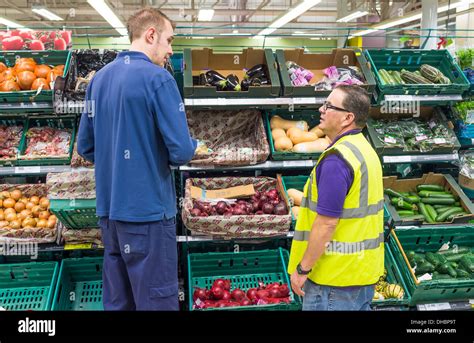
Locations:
(364, 209)
(352, 247)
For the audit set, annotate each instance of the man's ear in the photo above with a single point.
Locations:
(150, 35)
(349, 119)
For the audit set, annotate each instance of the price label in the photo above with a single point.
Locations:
(432, 124)
(406, 171)
(470, 117)
(421, 137)
(396, 159)
(221, 101)
(434, 307)
(389, 139)
(27, 170)
(78, 246)
(439, 140)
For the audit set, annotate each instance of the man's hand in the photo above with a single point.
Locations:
(297, 282)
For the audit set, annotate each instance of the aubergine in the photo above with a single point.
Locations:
(256, 69)
(213, 78)
(233, 83)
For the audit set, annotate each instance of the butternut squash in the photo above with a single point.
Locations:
(277, 133)
(295, 195)
(283, 144)
(318, 145)
(295, 210)
(317, 131)
(278, 122)
(299, 136)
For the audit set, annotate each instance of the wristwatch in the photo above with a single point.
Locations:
(301, 271)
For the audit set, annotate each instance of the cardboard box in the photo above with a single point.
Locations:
(409, 185)
(197, 61)
(225, 193)
(466, 182)
(316, 63)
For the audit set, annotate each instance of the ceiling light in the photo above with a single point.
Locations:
(9, 23)
(106, 12)
(352, 16)
(409, 18)
(307, 34)
(205, 15)
(293, 13)
(45, 13)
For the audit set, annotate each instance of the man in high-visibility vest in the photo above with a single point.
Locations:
(337, 252)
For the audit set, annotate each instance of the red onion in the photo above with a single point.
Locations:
(219, 283)
(238, 294)
(272, 193)
(195, 212)
(227, 296)
(200, 293)
(263, 293)
(203, 214)
(252, 293)
(284, 290)
(257, 194)
(274, 293)
(217, 292)
(280, 209)
(245, 302)
(227, 285)
(221, 207)
(267, 208)
(259, 213)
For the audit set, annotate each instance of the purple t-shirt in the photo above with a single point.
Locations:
(334, 178)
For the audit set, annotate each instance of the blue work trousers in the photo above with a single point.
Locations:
(140, 265)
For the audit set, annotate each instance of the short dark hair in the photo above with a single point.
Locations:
(356, 100)
(138, 22)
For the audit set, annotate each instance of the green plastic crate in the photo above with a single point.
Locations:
(244, 269)
(311, 117)
(338, 57)
(27, 286)
(68, 122)
(75, 213)
(79, 286)
(296, 182)
(12, 121)
(426, 114)
(394, 276)
(197, 60)
(429, 239)
(54, 58)
(411, 60)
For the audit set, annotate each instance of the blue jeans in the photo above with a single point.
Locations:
(327, 298)
(140, 265)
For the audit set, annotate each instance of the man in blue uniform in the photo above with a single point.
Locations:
(134, 129)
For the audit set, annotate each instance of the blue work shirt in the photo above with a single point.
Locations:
(133, 128)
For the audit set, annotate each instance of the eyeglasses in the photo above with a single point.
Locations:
(327, 105)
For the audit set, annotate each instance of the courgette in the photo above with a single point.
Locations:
(439, 201)
(424, 268)
(443, 209)
(438, 276)
(443, 216)
(467, 263)
(402, 204)
(425, 213)
(431, 194)
(433, 259)
(391, 193)
(431, 211)
(443, 268)
(429, 188)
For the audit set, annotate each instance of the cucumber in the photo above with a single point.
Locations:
(402, 204)
(438, 206)
(403, 195)
(443, 268)
(452, 272)
(391, 193)
(425, 213)
(433, 259)
(419, 259)
(459, 250)
(467, 263)
(457, 203)
(443, 216)
(431, 211)
(424, 268)
(439, 201)
(429, 188)
(461, 273)
(438, 276)
(431, 194)
(453, 264)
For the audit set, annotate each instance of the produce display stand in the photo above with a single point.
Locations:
(204, 258)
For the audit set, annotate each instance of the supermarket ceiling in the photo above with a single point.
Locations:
(237, 17)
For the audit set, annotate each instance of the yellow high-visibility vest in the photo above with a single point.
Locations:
(355, 255)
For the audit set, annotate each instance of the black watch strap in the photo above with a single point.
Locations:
(301, 271)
